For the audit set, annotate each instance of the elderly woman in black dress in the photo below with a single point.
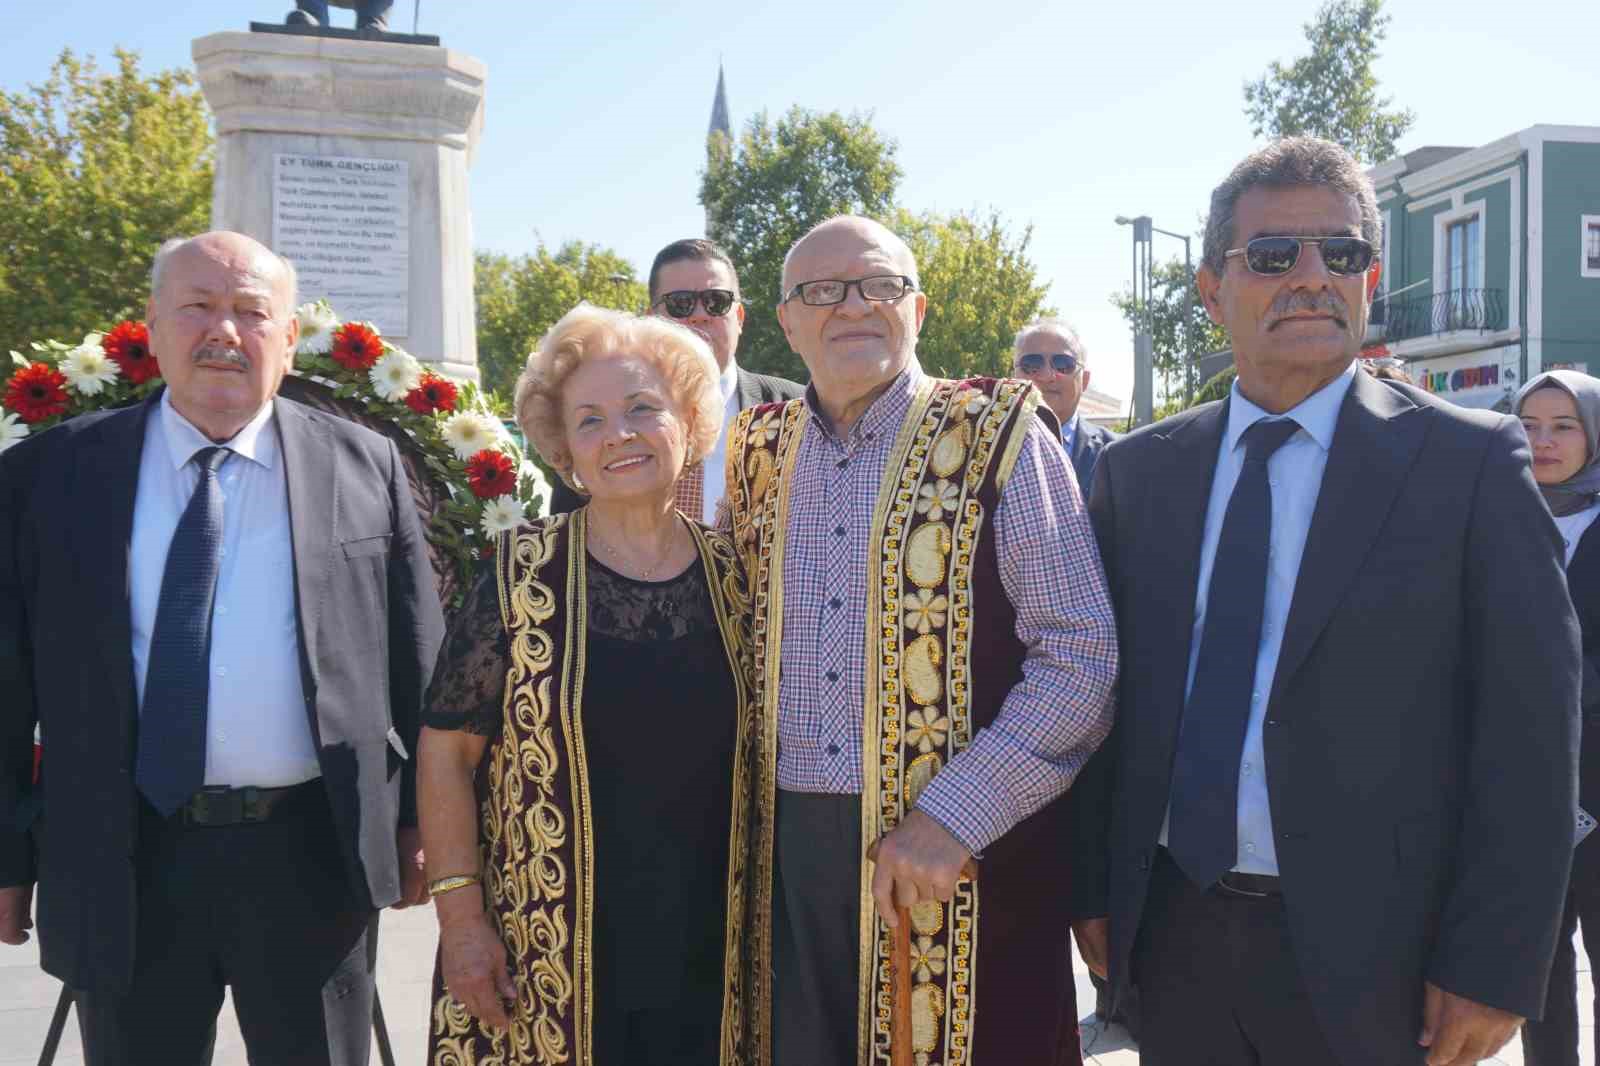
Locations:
(583, 784)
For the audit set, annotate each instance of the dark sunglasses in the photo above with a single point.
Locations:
(680, 302)
(1274, 256)
(1060, 362)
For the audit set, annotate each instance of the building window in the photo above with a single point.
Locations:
(1463, 258)
(1589, 263)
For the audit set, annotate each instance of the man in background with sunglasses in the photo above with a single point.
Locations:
(1049, 354)
(1337, 808)
(693, 282)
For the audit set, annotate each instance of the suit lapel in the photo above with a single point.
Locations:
(311, 473)
(1375, 442)
(748, 390)
(107, 471)
(1180, 490)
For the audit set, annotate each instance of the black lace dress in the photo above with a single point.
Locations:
(658, 726)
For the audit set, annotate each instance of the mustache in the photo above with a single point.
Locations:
(212, 353)
(1300, 301)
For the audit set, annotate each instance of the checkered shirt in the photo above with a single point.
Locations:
(1050, 572)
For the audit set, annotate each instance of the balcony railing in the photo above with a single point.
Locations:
(1442, 312)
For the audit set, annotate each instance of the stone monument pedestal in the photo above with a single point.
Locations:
(350, 157)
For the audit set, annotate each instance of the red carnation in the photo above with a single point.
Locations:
(490, 475)
(433, 393)
(37, 392)
(356, 346)
(128, 345)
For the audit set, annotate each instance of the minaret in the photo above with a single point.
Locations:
(719, 123)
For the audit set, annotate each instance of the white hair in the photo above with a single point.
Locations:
(158, 268)
(1051, 325)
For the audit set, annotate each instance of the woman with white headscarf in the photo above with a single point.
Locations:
(1560, 410)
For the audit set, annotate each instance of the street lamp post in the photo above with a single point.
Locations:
(1143, 228)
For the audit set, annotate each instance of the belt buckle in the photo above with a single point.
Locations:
(216, 805)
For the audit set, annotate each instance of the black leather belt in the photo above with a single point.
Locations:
(1249, 886)
(218, 805)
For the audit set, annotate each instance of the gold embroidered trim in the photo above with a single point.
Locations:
(577, 661)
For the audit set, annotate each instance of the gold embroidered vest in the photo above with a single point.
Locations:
(536, 837)
(940, 654)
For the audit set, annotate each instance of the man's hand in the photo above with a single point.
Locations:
(472, 960)
(413, 882)
(1458, 1032)
(918, 861)
(1094, 939)
(16, 909)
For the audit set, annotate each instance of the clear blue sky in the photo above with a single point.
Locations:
(1059, 114)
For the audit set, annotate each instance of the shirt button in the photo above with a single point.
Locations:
(1255, 695)
(838, 531)
(221, 609)
(832, 675)
(842, 463)
(1247, 769)
(1250, 849)
(833, 749)
(222, 671)
(836, 603)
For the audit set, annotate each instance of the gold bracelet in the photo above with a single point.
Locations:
(449, 884)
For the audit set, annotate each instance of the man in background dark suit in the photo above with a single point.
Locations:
(1336, 812)
(1048, 353)
(693, 282)
(218, 609)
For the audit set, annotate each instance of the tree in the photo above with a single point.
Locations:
(96, 170)
(521, 297)
(764, 192)
(1332, 93)
(981, 287)
(1169, 283)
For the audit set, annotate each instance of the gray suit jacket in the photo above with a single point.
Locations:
(370, 627)
(753, 390)
(1422, 726)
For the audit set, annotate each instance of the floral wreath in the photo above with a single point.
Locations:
(491, 485)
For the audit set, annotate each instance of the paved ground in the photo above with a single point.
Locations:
(405, 967)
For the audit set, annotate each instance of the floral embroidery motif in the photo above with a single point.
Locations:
(927, 958)
(934, 500)
(926, 729)
(925, 610)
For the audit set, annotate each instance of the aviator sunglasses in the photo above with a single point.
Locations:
(1060, 362)
(680, 302)
(1273, 257)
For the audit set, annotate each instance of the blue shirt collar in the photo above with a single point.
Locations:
(1317, 414)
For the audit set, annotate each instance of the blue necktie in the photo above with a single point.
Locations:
(1202, 827)
(171, 762)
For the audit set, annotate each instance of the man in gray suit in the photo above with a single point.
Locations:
(1048, 353)
(1336, 813)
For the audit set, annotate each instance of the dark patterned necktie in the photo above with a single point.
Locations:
(1202, 828)
(171, 762)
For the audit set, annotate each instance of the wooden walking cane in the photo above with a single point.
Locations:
(900, 1052)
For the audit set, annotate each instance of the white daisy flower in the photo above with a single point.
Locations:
(501, 514)
(88, 369)
(317, 323)
(470, 432)
(12, 431)
(395, 374)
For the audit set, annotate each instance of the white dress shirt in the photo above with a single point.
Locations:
(716, 464)
(1574, 526)
(257, 730)
(1294, 474)
(1069, 433)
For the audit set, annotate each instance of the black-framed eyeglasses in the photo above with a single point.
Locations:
(680, 302)
(880, 288)
(1273, 257)
(1034, 363)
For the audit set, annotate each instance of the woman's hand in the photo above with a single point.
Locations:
(472, 959)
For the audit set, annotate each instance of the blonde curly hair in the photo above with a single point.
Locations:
(681, 356)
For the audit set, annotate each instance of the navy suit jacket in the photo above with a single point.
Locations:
(1422, 725)
(370, 627)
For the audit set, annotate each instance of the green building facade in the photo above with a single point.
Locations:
(1491, 262)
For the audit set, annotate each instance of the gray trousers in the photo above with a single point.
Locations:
(816, 933)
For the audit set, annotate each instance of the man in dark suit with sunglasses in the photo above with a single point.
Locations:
(1336, 812)
(1048, 353)
(693, 282)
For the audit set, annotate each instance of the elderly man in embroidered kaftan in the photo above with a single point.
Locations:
(927, 578)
